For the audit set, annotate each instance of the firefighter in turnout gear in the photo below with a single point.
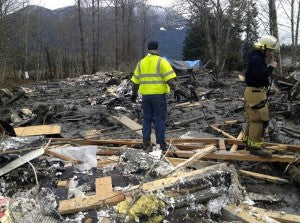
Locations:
(153, 78)
(256, 94)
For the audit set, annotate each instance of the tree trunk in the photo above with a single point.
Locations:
(274, 30)
(116, 36)
(94, 65)
(82, 45)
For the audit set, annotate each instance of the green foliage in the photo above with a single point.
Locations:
(194, 45)
(222, 28)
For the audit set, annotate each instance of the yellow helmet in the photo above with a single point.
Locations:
(267, 42)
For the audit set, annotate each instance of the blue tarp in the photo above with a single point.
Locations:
(185, 65)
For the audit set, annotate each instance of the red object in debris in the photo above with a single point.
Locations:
(3, 204)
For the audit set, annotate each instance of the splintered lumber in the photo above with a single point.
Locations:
(223, 132)
(21, 160)
(224, 155)
(62, 157)
(133, 126)
(250, 214)
(264, 177)
(197, 156)
(176, 161)
(197, 178)
(235, 146)
(38, 130)
(104, 196)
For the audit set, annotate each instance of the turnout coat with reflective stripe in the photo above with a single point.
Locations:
(151, 74)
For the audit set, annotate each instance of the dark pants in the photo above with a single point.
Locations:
(154, 109)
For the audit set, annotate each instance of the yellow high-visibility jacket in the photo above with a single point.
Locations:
(151, 74)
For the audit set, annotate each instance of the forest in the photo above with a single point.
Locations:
(95, 35)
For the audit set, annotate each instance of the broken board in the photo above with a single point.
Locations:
(133, 126)
(104, 196)
(250, 214)
(38, 130)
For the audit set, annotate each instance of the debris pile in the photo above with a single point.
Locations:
(70, 151)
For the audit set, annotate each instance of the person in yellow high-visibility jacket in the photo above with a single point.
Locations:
(153, 78)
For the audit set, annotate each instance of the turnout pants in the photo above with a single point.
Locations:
(155, 110)
(257, 114)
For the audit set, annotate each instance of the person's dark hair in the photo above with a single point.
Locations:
(153, 45)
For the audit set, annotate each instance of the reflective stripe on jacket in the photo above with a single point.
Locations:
(152, 73)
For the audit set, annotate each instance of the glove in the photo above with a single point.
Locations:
(133, 97)
(177, 95)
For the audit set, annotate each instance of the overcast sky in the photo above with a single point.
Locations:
(54, 4)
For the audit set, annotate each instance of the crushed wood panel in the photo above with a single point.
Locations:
(38, 130)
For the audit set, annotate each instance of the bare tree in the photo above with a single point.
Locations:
(274, 29)
(82, 44)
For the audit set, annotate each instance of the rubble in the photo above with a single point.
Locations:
(206, 175)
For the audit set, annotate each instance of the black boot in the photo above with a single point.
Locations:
(147, 147)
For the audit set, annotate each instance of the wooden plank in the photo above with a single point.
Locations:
(169, 181)
(197, 156)
(103, 163)
(188, 104)
(187, 146)
(264, 177)
(99, 142)
(103, 185)
(245, 212)
(21, 160)
(133, 126)
(129, 142)
(38, 130)
(104, 196)
(235, 146)
(176, 161)
(223, 132)
(222, 144)
(230, 122)
(224, 155)
(60, 156)
(90, 202)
